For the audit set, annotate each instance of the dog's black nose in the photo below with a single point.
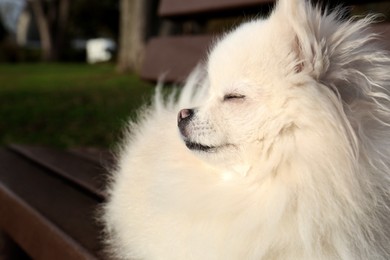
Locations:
(185, 115)
(183, 119)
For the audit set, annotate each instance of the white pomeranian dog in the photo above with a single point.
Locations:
(279, 148)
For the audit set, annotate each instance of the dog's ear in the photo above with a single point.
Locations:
(343, 53)
(302, 22)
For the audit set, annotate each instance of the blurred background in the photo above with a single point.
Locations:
(69, 69)
(60, 81)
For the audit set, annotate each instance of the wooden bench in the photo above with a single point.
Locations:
(176, 55)
(49, 197)
(48, 200)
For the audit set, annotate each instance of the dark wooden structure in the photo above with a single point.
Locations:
(175, 56)
(48, 197)
(48, 202)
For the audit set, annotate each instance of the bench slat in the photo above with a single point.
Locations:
(46, 215)
(174, 57)
(96, 155)
(180, 8)
(85, 173)
(41, 238)
(170, 8)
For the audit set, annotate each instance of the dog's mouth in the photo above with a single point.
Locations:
(199, 147)
(204, 148)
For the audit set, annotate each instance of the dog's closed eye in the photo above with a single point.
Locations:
(233, 96)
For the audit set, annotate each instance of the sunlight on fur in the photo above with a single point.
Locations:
(277, 148)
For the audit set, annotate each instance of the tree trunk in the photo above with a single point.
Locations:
(63, 15)
(43, 28)
(133, 20)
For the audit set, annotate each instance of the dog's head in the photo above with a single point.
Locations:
(271, 78)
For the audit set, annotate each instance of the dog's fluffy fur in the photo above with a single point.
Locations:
(288, 150)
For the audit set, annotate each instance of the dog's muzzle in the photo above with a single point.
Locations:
(184, 117)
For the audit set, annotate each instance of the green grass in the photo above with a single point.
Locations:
(66, 105)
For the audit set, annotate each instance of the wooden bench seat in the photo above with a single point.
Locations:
(48, 201)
